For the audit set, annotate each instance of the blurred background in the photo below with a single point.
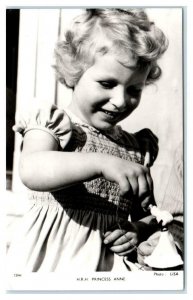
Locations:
(31, 35)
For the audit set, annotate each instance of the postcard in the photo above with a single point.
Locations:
(96, 100)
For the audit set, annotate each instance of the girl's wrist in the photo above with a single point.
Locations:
(98, 161)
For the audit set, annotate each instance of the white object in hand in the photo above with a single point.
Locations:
(161, 215)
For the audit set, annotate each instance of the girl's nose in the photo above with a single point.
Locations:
(119, 99)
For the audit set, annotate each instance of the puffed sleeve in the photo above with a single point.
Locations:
(51, 119)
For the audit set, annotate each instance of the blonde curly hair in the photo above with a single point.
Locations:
(100, 31)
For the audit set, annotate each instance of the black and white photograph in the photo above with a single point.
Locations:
(95, 148)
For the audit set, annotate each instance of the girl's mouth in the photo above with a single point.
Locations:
(110, 114)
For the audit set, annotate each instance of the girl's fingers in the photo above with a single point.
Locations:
(138, 184)
(134, 184)
(121, 248)
(146, 248)
(124, 186)
(106, 234)
(125, 238)
(127, 251)
(119, 238)
(146, 202)
(149, 197)
(143, 186)
(113, 236)
(124, 248)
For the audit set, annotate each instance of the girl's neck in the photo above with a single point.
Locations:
(72, 109)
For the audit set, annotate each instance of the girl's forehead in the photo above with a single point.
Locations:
(112, 66)
(125, 58)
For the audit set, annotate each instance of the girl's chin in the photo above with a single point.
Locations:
(103, 125)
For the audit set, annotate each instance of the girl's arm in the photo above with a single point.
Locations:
(44, 168)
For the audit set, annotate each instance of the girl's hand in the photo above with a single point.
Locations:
(146, 248)
(133, 179)
(122, 241)
(148, 142)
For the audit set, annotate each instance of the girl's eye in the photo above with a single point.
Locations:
(108, 84)
(133, 91)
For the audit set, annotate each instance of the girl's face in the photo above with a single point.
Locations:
(108, 92)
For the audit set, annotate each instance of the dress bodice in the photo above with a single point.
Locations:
(97, 194)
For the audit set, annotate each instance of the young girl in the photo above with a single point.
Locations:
(89, 181)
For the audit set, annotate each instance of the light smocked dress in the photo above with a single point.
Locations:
(63, 230)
